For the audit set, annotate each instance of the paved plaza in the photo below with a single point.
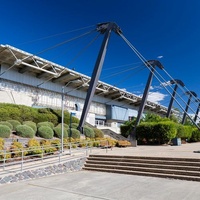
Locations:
(90, 185)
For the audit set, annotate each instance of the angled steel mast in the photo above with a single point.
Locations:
(103, 28)
(176, 82)
(150, 64)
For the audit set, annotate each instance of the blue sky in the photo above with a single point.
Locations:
(166, 28)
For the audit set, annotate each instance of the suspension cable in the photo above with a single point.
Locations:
(145, 62)
(55, 35)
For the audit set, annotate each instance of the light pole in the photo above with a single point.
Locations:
(62, 112)
(62, 119)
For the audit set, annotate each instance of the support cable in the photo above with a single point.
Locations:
(145, 62)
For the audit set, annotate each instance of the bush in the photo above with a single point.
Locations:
(125, 130)
(2, 141)
(195, 135)
(49, 124)
(74, 125)
(45, 132)
(98, 133)
(56, 143)
(88, 132)
(188, 132)
(7, 124)
(58, 132)
(153, 133)
(16, 149)
(47, 147)
(34, 147)
(145, 133)
(31, 124)
(123, 143)
(180, 131)
(75, 133)
(15, 123)
(4, 131)
(64, 125)
(165, 131)
(25, 131)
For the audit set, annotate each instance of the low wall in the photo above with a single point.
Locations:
(69, 166)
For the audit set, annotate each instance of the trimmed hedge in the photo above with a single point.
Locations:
(58, 132)
(88, 132)
(31, 124)
(45, 132)
(7, 124)
(65, 125)
(74, 125)
(98, 133)
(25, 131)
(4, 131)
(49, 124)
(15, 123)
(165, 131)
(75, 133)
(195, 135)
(161, 132)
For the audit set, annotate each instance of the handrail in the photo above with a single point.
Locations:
(19, 160)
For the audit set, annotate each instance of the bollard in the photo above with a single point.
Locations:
(22, 161)
(42, 153)
(70, 152)
(4, 159)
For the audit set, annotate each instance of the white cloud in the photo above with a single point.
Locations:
(156, 97)
(160, 57)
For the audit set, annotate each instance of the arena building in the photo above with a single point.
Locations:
(33, 81)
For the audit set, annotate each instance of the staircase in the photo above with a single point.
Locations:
(176, 168)
(113, 134)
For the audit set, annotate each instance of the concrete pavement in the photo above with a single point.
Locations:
(86, 185)
(90, 185)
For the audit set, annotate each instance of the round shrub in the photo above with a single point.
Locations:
(98, 133)
(31, 124)
(15, 123)
(64, 125)
(58, 132)
(25, 131)
(7, 124)
(88, 132)
(74, 125)
(75, 134)
(45, 132)
(49, 124)
(4, 131)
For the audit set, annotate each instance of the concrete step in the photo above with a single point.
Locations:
(147, 165)
(140, 173)
(145, 169)
(179, 168)
(146, 158)
(146, 161)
